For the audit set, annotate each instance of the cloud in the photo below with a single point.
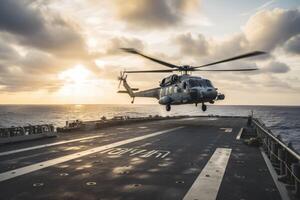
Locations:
(34, 71)
(265, 82)
(7, 52)
(192, 46)
(40, 68)
(49, 42)
(276, 83)
(113, 45)
(266, 30)
(293, 45)
(153, 13)
(17, 18)
(43, 30)
(269, 29)
(276, 67)
(14, 79)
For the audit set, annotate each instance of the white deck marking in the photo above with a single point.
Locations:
(187, 119)
(212, 119)
(144, 153)
(239, 134)
(31, 168)
(48, 145)
(207, 184)
(226, 130)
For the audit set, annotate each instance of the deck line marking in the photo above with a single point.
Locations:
(207, 184)
(239, 134)
(280, 186)
(187, 119)
(47, 145)
(34, 167)
(226, 130)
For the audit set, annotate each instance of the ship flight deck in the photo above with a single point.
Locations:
(186, 158)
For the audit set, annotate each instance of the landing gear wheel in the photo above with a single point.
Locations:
(204, 107)
(168, 108)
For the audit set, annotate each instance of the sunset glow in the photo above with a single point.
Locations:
(77, 75)
(69, 51)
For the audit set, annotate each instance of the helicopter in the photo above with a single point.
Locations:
(183, 88)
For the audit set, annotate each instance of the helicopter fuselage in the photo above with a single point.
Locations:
(178, 89)
(186, 89)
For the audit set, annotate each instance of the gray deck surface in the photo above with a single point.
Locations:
(131, 172)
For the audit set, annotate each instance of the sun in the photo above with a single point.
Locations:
(81, 85)
(76, 75)
(78, 84)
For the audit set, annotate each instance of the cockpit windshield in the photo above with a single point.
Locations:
(195, 83)
(208, 83)
(199, 83)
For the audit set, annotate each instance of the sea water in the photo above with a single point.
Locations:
(282, 120)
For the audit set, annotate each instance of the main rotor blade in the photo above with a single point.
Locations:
(226, 70)
(153, 71)
(134, 51)
(251, 54)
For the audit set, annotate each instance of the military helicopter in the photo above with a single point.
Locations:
(184, 88)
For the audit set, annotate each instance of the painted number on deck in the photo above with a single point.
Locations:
(143, 153)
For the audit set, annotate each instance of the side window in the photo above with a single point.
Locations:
(176, 89)
(208, 83)
(170, 90)
(184, 85)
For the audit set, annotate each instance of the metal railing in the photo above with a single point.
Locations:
(285, 160)
(26, 130)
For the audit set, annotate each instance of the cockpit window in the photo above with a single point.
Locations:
(195, 83)
(208, 83)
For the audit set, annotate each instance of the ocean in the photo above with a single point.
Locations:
(282, 120)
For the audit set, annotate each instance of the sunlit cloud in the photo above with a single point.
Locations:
(77, 75)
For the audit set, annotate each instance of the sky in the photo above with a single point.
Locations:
(67, 51)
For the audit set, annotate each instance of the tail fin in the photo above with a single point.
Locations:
(122, 78)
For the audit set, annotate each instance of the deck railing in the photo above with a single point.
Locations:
(26, 130)
(285, 160)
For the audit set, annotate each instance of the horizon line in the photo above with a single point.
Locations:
(41, 104)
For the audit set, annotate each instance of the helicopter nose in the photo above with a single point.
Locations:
(200, 94)
(210, 93)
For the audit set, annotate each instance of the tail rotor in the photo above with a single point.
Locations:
(121, 78)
